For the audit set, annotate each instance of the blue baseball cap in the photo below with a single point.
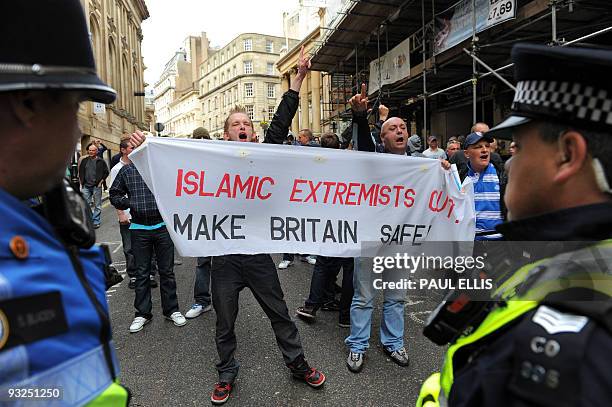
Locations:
(474, 138)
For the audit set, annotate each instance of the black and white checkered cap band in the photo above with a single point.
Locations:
(563, 99)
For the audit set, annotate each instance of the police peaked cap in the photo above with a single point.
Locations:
(560, 84)
(46, 45)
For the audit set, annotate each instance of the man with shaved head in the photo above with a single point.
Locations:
(394, 136)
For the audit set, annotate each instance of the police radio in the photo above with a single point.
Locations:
(70, 216)
(457, 314)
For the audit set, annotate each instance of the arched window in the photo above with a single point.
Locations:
(98, 49)
(113, 74)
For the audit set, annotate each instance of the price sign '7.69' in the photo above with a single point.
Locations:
(500, 10)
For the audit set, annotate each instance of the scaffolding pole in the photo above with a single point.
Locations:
(491, 70)
(424, 133)
(553, 13)
(474, 72)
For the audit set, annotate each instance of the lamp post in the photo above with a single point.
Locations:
(264, 123)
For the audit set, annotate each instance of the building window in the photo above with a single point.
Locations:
(236, 93)
(248, 44)
(248, 90)
(234, 69)
(229, 76)
(222, 58)
(270, 68)
(248, 67)
(209, 105)
(210, 123)
(234, 49)
(215, 62)
(208, 67)
(250, 111)
(216, 105)
(207, 86)
(271, 90)
(222, 78)
(271, 111)
(269, 46)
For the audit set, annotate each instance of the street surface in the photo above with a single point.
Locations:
(164, 365)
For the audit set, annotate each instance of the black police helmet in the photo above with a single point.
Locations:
(46, 45)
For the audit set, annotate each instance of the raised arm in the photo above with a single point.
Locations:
(279, 127)
(359, 108)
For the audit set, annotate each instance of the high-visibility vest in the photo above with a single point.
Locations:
(54, 319)
(436, 389)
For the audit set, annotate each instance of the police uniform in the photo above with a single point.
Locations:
(55, 335)
(547, 338)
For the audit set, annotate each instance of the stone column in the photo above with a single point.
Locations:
(304, 104)
(315, 83)
(295, 127)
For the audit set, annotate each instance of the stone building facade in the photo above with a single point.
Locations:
(243, 72)
(175, 93)
(116, 36)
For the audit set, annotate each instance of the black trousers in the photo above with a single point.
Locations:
(323, 280)
(229, 275)
(144, 244)
(126, 241)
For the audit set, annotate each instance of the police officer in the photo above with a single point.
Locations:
(55, 336)
(547, 338)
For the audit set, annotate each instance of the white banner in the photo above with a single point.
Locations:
(394, 66)
(220, 197)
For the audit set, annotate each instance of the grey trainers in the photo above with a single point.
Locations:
(354, 362)
(399, 356)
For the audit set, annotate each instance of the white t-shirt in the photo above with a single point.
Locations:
(439, 153)
(113, 174)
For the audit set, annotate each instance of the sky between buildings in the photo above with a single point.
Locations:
(171, 21)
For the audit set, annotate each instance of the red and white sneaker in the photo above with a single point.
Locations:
(313, 377)
(221, 393)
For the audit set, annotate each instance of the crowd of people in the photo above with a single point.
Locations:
(219, 279)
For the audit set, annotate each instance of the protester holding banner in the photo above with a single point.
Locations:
(489, 179)
(394, 136)
(231, 273)
(149, 235)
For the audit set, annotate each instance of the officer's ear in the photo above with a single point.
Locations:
(572, 154)
(25, 105)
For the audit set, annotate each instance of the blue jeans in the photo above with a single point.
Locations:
(96, 193)
(201, 288)
(392, 323)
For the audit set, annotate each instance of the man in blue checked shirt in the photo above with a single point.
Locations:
(489, 182)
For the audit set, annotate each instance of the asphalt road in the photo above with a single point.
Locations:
(164, 365)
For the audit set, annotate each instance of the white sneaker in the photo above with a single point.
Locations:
(177, 318)
(310, 259)
(138, 323)
(196, 310)
(284, 264)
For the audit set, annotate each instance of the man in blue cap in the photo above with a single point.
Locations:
(546, 338)
(55, 333)
(489, 180)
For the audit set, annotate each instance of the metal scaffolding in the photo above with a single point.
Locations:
(425, 43)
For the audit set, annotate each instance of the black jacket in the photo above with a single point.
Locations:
(279, 127)
(101, 170)
(510, 370)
